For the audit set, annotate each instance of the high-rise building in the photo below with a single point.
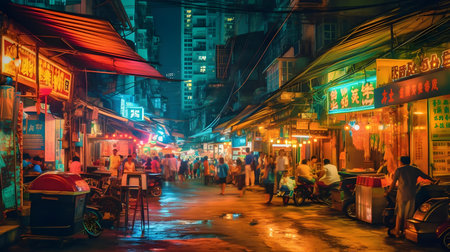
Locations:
(202, 29)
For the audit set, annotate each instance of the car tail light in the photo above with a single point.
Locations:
(425, 207)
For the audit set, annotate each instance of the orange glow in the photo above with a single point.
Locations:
(98, 45)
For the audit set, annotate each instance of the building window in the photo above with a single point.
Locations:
(202, 69)
(202, 58)
(188, 11)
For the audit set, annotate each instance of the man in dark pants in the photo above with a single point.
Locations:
(406, 194)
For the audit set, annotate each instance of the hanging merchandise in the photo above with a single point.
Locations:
(6, 102)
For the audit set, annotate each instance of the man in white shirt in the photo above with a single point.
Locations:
(282, 163)
(329, 174)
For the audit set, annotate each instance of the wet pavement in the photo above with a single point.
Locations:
(193, 217)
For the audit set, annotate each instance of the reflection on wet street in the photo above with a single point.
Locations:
(193, 217)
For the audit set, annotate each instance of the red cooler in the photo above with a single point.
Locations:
(58, 200)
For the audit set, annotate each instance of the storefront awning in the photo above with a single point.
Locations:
(373, 40)
(90, 44)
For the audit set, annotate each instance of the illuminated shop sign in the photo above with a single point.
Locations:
(51, 75)
(422, 87)
(135, 113)
(238, 141)
(432, 62)
(353, 96)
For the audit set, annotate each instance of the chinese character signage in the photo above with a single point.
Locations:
(34, 132)
(389, 70)
(351, 97)
(135, 113)
(50, 74)
(440, 117)
(426, 86)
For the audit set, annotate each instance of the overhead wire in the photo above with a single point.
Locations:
(250, 73)
(233, 7)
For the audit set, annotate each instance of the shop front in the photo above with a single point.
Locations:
(358, 135)
(37, 127)
(423, 102)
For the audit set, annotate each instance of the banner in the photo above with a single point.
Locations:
(422, 87)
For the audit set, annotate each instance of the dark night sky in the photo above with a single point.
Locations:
(168, 27)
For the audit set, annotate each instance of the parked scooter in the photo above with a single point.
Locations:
(305, 190)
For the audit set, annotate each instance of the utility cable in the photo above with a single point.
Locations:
(251, 72)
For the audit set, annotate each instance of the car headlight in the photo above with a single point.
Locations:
(425, 207)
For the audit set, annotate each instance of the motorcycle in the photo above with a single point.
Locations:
(347, 187)
(154, 184)
(305, 190)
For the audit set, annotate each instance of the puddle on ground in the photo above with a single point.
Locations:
(231, 216)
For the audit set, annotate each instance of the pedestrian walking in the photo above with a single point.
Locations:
(206, 170)
(406, 175)
(269, 180)
(222, 173)
(183, 169)
(156, 166)
(250, 167)
(165, 167)
(240, 177)
(281, 165)
(196, 167)
(173, 164)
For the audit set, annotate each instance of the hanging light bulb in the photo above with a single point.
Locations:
(271, 140)
(315, 140)
(309, 142)
(278, 140)
(347, 127)
(304, 142)
(356, 127)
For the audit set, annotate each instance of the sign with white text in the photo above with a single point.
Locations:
(135, 113)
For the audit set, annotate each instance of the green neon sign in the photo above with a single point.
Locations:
(353, 96)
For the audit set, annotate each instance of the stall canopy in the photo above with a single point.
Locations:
(90, 44)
